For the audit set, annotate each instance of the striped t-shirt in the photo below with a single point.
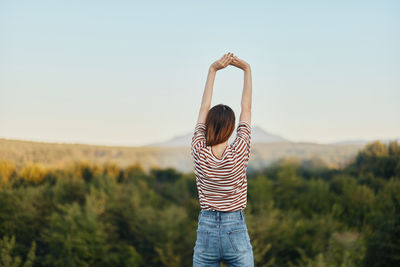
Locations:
(221, 183)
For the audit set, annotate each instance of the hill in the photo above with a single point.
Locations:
(263, 154)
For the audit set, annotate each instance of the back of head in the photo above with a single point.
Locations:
(220, 123)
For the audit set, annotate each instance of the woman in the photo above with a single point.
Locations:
(220, 171)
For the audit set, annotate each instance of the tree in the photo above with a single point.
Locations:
(6, 254)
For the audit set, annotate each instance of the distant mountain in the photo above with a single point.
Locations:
(258, 136)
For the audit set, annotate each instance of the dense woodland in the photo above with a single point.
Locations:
(299, 213)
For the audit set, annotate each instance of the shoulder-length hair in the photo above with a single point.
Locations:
(220, 123)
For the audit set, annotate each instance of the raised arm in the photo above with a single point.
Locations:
(245, 114)
(224, 61)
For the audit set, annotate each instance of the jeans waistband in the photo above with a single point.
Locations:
(222, 215)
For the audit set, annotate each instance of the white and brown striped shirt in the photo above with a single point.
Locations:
(221, 183)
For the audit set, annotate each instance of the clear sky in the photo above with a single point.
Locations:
(132, 73)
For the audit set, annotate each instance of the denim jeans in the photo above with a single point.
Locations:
(222, 236)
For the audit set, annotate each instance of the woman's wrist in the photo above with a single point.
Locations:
(212, 69)
(247, 68)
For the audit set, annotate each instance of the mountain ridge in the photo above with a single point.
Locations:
(261, 136)
(258, 135)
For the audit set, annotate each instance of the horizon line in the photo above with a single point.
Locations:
(152, 145)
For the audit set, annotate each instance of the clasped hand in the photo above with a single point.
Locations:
(229, 59)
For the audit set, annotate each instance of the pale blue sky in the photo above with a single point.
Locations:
(131, 73)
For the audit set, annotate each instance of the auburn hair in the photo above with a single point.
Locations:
(220, 123)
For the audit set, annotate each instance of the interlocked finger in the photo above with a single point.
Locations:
(227, 59)
(230, 60)
(223, 60)
(235, 60)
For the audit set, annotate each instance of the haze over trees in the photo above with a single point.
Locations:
(178, 157)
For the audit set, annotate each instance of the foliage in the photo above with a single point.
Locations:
(299, 213)
(6, 250)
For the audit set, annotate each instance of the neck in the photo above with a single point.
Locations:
(224, 144)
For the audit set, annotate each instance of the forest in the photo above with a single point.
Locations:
(298, 213)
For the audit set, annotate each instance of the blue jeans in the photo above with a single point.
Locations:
(222, 236)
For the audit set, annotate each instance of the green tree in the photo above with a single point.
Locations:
(7, 259)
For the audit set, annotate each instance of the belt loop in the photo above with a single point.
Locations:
(241, 215)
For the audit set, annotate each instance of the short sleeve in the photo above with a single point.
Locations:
(199, 138)
(241, 144)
